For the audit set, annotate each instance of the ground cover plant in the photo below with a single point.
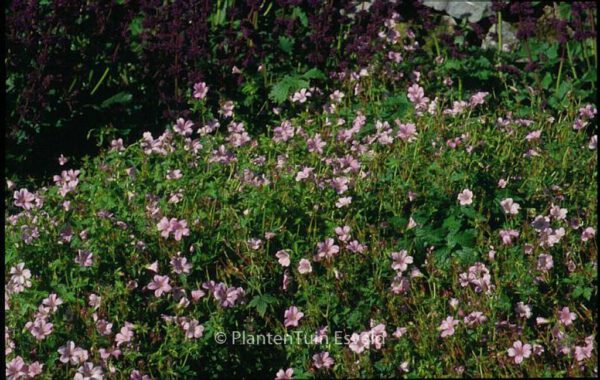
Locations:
(421, 214)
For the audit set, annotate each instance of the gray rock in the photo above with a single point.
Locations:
(473, 10)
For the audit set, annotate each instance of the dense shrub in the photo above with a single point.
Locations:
(443, 231)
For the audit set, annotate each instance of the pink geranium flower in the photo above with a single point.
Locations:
(183, 127)
(179, 228)
(193, 329)
(509, 206)
(566, 317)
(465, 198)
(292, 316)
(304, 266)
(322, 360)
(200, 90)
(39, 328)
(401, 260)
(327, 249)
(160, 285)
(24, 199)
(519, 351)
(447, 326)
(125, 335)
(285, 375)
(283, 257)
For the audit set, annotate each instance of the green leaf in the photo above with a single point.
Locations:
(260, 303)
(286, 44)
(301, 15)
(314, 73)
(120, 98)
(547, 81)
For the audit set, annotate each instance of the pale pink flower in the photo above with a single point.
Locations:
(400, 284)
(535, 135)
(52, 302)
(304, 174)
(465, 198)
(183, 127)
(558, 213)
(137, 375)
(566, 317)
(24, 199)
(283, 258)
(69, 353)
(406, 132)
(545, 262)
(519, 351)
(62, 160)
(475, 318)
(164, 227)
(16, 368)
(502, 183)
(284, 132)
(84, 258)
(179, 228)
(125, 335)
(104, 327)
(588, 234)
(227, 109)
(160, 285)
(304, 266)
(180, 265)
(593, 143)
(200, 90)
(292, 316)
(39, 328)
(585, 352)
(416, 95)
(523, 310)
(315, 144)
(541, 321)
(193, 329)
(326, 249)
(343, 233)
(288, 374)
(508, 235)
(301, 96)
(447, 326)
(401, 260)
(343, 202)
(509, 206)
(89, 372)
(360, 342)
(400, 331)
(254, 243)
(322, 360)
(174, 174)
(197, 294)
(478, 98)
